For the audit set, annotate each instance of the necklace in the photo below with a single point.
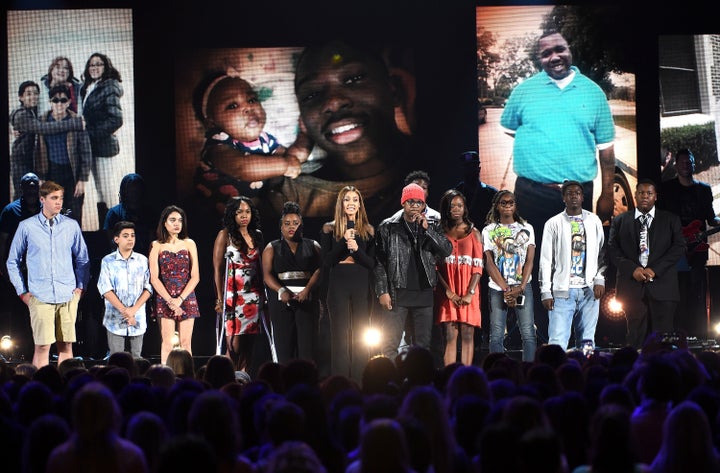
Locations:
(412, 233)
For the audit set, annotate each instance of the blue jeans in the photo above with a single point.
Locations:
(580, 311)
(526, 323)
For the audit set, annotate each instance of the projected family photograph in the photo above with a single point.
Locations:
(590, 139)
(70, 99)
(294, 124)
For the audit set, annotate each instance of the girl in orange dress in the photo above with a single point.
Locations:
(458, 294)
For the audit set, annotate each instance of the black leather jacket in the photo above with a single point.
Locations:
(391, 254)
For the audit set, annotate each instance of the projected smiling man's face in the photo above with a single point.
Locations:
(346, 103)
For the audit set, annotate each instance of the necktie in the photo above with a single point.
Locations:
(644, 249)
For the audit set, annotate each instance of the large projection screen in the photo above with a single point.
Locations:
(35, 39)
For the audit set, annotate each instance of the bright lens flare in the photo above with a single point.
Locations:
(372, 337)
(6, 343)
(615, 306)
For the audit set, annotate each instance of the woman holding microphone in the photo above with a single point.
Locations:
(348, 253)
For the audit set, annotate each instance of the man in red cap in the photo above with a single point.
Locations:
(407, 247)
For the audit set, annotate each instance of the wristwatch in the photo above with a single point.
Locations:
(472, 291)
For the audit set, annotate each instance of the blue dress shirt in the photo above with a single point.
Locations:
(48, 261)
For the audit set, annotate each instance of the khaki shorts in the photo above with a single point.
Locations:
(53, 322)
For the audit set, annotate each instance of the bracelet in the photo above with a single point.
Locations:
(282, 290)
(181, 298)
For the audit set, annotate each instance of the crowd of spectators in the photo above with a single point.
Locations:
(656, 410)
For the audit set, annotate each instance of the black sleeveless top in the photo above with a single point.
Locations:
(304, 259)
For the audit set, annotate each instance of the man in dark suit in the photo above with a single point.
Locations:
(645, 245)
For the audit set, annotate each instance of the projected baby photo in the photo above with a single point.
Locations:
(71, 105)
(294, 124)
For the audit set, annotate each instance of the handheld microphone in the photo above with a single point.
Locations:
(351, 226)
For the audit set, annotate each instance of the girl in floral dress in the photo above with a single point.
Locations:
(174, 274)
(239, 278)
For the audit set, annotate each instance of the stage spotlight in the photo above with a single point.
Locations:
(176, 340)
(7, 348)
(615, 305)
(372, 337)
(717, 328)
(611, 308)
(6, 343)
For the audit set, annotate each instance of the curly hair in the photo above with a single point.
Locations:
(229, 223)
(493, 215)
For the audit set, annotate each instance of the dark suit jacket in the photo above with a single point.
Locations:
(667, 245)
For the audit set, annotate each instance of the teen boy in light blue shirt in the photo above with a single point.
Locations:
(49, 266)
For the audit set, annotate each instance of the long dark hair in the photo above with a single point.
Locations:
(232, 228)
(493, 215)
(162, 234)
(445, 217)
(109, 72)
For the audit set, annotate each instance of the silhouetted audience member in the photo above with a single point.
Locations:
(213, 417)
(425, 404)
(294, 457)
(24, 369)
(137, 397)
(300, 371)
(569, 417)
(610, 448)
(179, 401)
(687, 443)
(147, 431)
(541, 451)
(380, 376)
(95, 443)
(123, 359)
(44, 434)
(141, 365)
(553, 355)
(161, 376)
(416, 368)
(617, 394)
(309, 399)
(71, 366)
(383, 449)
(34, 400)
(468, 418)
(466, 380)
(50, 377)
(181, 362)
(657, 388)
(219, 371)
(498, 449)
(187, 454)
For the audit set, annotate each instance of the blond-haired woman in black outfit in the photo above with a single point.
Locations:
(348, 252)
